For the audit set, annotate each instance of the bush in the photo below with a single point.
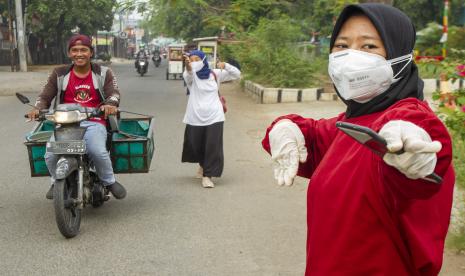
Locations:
(269, 55)
(428, 41)
(105, 56)
(456, 239)
(452, 112)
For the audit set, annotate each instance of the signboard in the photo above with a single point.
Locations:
(207, 49)
(123, 35)
(209, 53)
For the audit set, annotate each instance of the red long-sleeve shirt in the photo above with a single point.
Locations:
(363, 216)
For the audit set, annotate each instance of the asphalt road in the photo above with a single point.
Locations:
(168, 224)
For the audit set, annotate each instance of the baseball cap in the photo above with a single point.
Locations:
(79, 39)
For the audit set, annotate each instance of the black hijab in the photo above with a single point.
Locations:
(398, 35)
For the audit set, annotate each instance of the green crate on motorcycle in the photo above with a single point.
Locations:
(131, 149)
(36, 142)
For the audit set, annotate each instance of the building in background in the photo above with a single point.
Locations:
(127, 35)
(7, 41)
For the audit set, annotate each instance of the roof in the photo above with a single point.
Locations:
(180, 45)
(210, 38)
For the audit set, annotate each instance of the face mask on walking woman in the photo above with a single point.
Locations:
(197, 65)
(361, 76)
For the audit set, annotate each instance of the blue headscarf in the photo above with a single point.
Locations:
(204, 73)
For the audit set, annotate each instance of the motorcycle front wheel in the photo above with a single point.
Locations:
(67, 215)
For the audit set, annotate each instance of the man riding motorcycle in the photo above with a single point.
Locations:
(142, 54)
(78, 83)
(156, 58)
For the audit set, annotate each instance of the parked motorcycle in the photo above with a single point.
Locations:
(142, 66)
(156, 60)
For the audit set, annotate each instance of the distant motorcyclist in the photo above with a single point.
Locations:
(142, 54)
(156, 57)
(76, 83)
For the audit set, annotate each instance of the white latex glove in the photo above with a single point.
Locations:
(419, 158)
(287, 148)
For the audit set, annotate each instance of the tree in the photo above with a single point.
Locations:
(388, 2)
(56, 18)
(193, 18)
(424, 11)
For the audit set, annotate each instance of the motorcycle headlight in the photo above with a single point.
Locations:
(142, 63)
(66, 117)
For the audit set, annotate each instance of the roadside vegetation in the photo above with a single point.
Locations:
(451, 108)
(274, 36)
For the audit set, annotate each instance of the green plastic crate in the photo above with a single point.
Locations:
(36, 142)
(128, 154)
(133, 153)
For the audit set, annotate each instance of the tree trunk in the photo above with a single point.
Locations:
(26, 38)
(59, 29)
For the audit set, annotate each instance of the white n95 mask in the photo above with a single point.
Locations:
(361, 76)
(197, 65)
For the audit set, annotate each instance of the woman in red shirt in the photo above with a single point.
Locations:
(366, 215)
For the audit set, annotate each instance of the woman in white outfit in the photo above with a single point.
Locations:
(204, 118)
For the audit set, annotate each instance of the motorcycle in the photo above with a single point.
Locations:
(156, 60)
(142, 66)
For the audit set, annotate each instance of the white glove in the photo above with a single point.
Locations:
(287, 148)
(419, 157)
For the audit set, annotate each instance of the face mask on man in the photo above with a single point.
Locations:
(197, 65)
(361, 76)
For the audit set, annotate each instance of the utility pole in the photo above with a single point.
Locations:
(10, 35)
(20, 28)
(445, 28)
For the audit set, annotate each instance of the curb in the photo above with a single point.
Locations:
(432, 85)
(267, 95)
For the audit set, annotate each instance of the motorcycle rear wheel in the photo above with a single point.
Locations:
(67, 216)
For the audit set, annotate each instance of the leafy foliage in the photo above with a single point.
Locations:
(269, 57)
(88, 16)
(188, 19)
(452, 112)
(325, 13)
(3, 8)
(53, 20)
(428, 41)
(424, 11)
(454, 117)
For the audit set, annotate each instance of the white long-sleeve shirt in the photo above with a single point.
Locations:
(204, 107)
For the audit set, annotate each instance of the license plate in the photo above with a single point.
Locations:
(67, 147)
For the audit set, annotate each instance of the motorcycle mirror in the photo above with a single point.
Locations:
(22, 98)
